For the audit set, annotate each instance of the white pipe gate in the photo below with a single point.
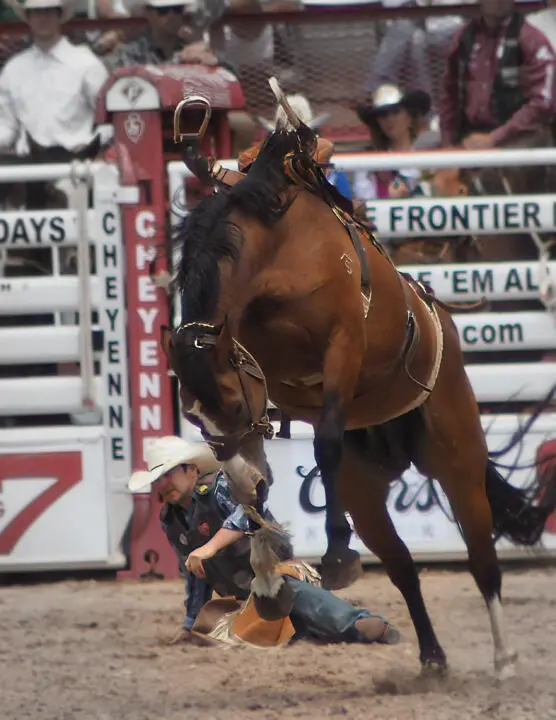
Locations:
(64, 438)
(63, 497)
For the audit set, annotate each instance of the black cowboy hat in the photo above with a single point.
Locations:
(387, 97)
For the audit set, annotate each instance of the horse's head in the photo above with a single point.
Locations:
(222, 387)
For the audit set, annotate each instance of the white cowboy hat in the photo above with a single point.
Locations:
(166, 453)
(386, 97)
(302, 108)
(20, 8)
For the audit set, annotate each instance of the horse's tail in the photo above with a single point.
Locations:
(513, 513)
(522, 431)
(520, 514)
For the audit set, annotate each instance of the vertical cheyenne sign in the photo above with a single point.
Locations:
(141, 163)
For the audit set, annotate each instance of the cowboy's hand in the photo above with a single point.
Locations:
(398, 189)
(197, 53)
(478, 141)
(194, 562)
(181, 636)
(108, 42)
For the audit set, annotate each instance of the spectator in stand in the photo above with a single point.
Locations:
(174, 37)
(171, 38)
(411, 49)
(498, 89)
(395, 121)
(48, 92)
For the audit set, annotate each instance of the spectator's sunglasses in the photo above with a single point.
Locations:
(386, 111)
(165, 9)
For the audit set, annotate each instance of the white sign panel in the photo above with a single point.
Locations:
(53, 497)
(505, 331)
(38, 228)
(493, 281)
(424, 217)
(422, 516)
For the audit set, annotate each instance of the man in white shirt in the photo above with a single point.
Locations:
(49, 91)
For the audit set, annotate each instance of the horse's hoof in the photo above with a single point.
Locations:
(505, 666)
(434, 668)
(342, 570)
(275, 608)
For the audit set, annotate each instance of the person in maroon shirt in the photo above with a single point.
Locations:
(498, 88)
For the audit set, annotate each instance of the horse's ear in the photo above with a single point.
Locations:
(166, 341)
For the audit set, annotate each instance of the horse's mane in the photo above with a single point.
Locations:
(208, 235)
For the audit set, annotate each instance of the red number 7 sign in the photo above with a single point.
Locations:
(64, 466)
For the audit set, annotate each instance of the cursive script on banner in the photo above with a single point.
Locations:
(421, 496)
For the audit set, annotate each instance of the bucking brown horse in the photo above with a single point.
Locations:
(279, 297)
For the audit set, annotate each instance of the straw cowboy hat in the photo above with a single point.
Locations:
(20, 8)
(166, 453)
(389, 97)
(302, 108)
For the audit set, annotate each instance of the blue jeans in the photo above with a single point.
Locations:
(197, 593)
(319, 614)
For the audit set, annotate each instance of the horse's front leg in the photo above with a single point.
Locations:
(250, 475)
(341, 566)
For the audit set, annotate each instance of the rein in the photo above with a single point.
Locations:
(246, 366)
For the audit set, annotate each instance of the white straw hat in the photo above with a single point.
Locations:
(166, 453)
(387, 96)
(20, 8)
(302, 108)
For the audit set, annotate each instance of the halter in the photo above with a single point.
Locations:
(243, 362)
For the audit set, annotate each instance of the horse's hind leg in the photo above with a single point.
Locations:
(364, 487)
(454, 452)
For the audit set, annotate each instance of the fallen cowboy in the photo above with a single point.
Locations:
(207, 529)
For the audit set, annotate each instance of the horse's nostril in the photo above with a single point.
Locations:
(238, 409)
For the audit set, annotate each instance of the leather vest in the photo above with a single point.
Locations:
(507, 97)
(229, 571)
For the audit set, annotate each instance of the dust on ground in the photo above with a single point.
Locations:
(96, 650)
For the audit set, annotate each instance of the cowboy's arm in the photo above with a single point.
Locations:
(537, 82)
(222, 539)
(448, 105)
(230, 509)
(227, 535)
(95, 77)
(9, 123)
(233, 528)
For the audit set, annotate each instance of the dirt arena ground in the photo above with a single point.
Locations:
(96, 650)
